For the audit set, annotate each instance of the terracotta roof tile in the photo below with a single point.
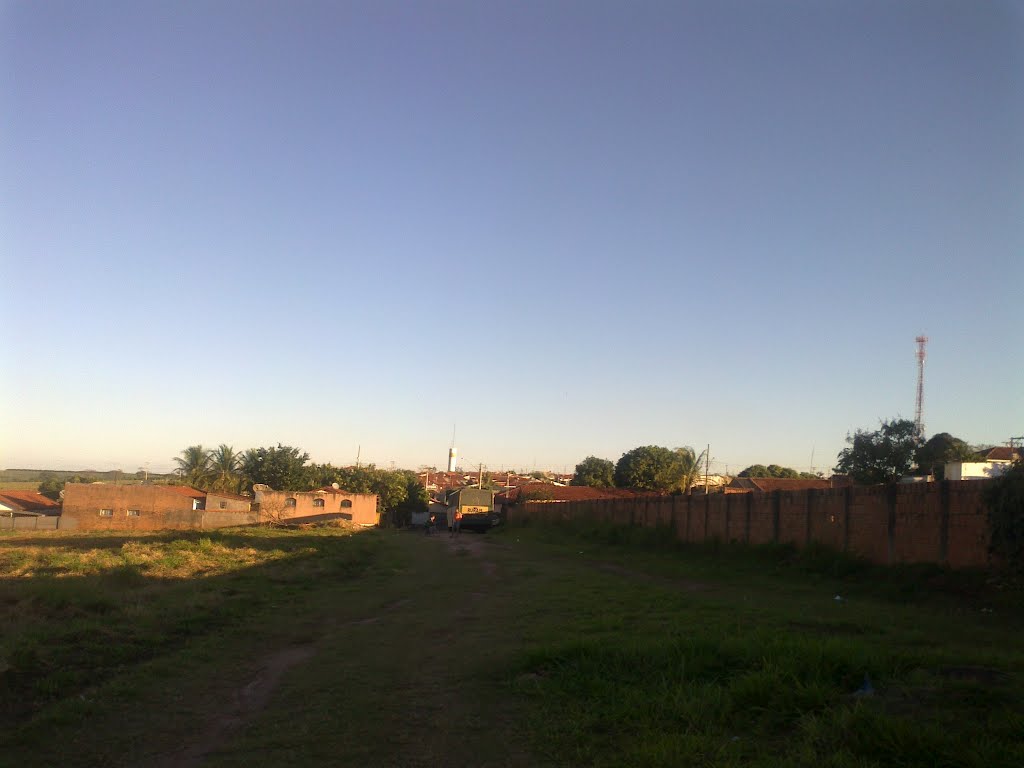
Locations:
(28, 501)
(999, 453)
(184, 490)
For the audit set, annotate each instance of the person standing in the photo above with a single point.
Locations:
(451, 520)
(458, 521)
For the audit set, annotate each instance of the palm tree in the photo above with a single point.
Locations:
(224, 465)
(690, 464)
(249, 466)
(194, 465)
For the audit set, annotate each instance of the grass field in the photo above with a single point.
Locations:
(19, 485)
(525, 647)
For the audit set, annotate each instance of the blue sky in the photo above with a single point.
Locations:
(570, 228)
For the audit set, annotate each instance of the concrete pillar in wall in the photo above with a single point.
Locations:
(890, 497)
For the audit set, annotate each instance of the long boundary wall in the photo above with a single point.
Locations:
(942, 522)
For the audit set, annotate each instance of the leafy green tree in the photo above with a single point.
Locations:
(194, 465)
(939, 450)
(282, 468)
(594, 472)
(882, 456)
(416, 499)
(755, 470)
(398, 491)
(1004, 500)
(774, 470)
(224, 469)
(51, 487)
(654, 468)
(539, 492)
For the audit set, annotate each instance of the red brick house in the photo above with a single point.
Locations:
(101, 506)
(324, 503)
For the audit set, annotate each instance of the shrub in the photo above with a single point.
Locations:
(1005, 503)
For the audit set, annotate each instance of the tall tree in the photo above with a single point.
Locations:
(194, 465)
(772, 470)
(652, 467)
(939, 450)
(398, 492)
(248, 466)
(594, 472)
(416, 499)
(282, 468)
(882, 456)
(690, 464)
(224, 466)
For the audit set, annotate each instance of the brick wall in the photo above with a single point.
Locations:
(360, 508)
(158, 507)
(923, 522)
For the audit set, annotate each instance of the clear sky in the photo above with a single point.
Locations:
(567, 227)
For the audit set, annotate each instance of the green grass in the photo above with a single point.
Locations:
(78, 608)
(563, 646)
(752, 661)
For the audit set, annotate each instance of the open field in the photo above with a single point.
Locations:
(525, 647)
(19, 485)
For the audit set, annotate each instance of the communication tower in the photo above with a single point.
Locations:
(919, 408)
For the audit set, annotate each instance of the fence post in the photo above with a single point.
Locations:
(808, 510)
(728, 520)
(944, 505)
(890, 493)
(847, 505)
(746, 526)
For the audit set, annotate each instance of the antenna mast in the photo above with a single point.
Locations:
(919, 409)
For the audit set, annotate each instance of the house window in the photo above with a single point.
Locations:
(198, 504)
(318, 502)
(289, 502)
(106, 513)
(223, 505)
(132, 513)
(346, 503)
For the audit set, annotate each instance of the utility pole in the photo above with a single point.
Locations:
(1013, 445)
(707, 467)
(359, 451)
(480, 477)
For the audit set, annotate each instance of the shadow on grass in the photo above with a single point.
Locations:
(899, 583)
(256, 535)
(75, 621)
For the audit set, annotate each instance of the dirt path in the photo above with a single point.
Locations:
(413, 662)
(249, 700)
